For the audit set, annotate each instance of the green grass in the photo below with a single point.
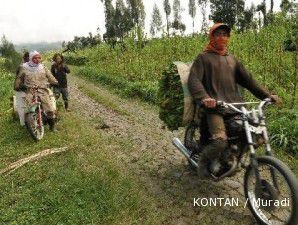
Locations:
(146, 90)
(84, 185)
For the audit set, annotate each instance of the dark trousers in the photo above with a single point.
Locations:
(64, 91)
(58, 91)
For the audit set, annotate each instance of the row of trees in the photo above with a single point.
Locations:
(232, 12)
(123, 18)
(82, 42)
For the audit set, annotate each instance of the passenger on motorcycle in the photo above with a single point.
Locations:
(20, 94)
(35, 74)
(215, 76)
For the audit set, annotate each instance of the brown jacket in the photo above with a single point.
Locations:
(42, 78)
(218, 77)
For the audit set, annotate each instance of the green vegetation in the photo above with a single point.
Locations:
(11, 59)
(171, 98)
(136, 72)
(85, 185)
(90, 183)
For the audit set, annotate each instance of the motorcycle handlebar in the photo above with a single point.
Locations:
(265, 102)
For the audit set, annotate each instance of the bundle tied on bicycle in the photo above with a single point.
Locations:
(175, 101)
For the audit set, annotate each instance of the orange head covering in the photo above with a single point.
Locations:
(218, 44)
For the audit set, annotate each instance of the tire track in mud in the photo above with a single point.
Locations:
(158, 163)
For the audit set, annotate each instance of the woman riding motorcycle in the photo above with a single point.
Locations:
(35, 74)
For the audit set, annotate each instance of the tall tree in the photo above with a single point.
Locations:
(247, 21)
(228, 12)
(239, 13)
(270, 16)
(287, 6)
(262, 8)
(7, 51)
(109, 18)
(137, 12)
(192, 10)
(177, 10)
(177, 24)
(203, 6)
(156, 21)
(122, 20)
(271, 6)
(167, 9)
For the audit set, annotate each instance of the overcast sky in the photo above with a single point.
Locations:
(57, 20)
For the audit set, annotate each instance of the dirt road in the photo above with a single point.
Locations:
(152, 157)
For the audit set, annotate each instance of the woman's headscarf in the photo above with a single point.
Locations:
(31, 66)
(218, 46)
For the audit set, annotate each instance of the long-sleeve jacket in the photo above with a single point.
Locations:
(60, 74)
(41, 78)
(218, 77)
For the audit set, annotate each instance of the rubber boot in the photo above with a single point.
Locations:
(51, 122)
(66, 106)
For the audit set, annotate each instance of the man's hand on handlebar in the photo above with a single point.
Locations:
(209, 102)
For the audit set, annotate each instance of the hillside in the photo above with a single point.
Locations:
(135, 72)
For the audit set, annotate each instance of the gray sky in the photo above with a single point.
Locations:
(57, 20)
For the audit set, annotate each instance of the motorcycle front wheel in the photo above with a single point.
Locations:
(273, 200)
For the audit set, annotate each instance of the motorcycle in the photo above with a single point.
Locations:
(32, 117)
(35, 117)
(267, 180)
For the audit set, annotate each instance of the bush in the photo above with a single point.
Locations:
(6, 88)
(75, 60)
(12, 57)
(283, 125)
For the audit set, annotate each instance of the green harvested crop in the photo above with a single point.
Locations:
(171, 98)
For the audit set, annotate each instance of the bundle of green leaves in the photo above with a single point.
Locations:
(171, 98)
